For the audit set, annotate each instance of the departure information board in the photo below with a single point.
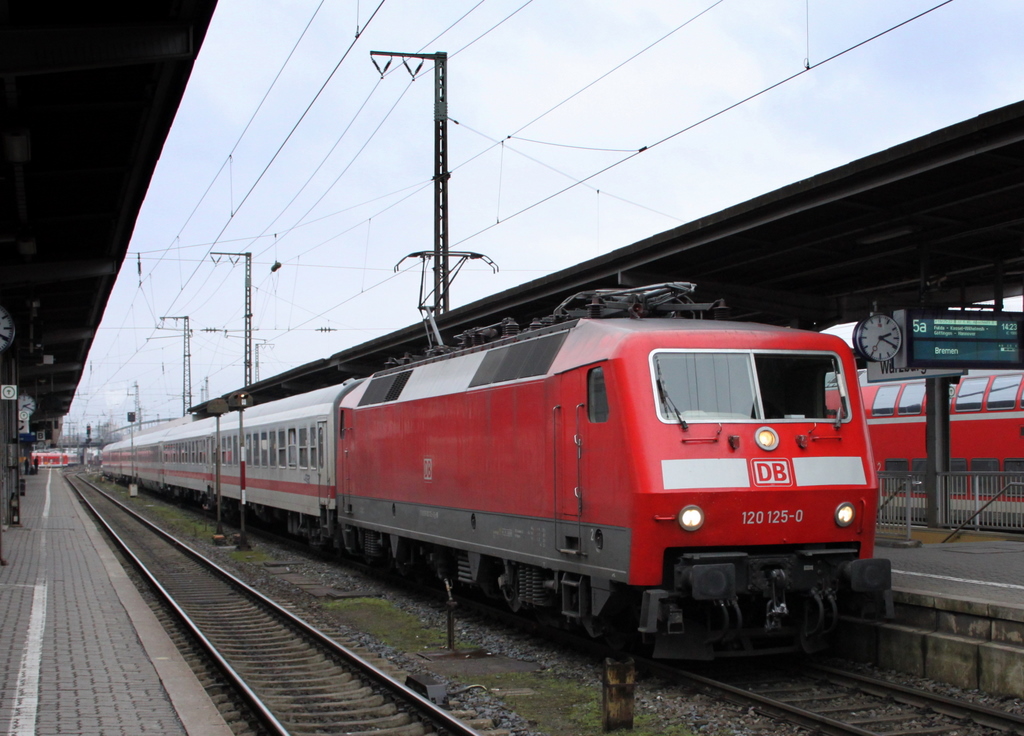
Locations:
(947, 338)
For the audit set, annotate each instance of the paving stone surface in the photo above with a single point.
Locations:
(70, 658)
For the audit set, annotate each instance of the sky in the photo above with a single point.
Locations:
(289, 144)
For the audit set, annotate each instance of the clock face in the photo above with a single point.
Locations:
(6, 329)
(877, 338)
(26, 403)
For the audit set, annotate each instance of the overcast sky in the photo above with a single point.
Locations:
(327, 170)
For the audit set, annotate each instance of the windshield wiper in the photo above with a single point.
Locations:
(666, 401)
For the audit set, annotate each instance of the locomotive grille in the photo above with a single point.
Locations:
(385, 388)
(521, 360)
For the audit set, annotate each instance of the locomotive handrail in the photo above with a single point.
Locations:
(976, 513)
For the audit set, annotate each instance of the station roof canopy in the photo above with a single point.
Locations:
(936, 221)
(90, 91)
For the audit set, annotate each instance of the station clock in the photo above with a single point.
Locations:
(877, 338)
(6, 329)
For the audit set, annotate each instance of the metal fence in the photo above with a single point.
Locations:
(983, 501)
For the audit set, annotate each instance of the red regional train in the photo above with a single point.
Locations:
(986, 423)
(705, 484)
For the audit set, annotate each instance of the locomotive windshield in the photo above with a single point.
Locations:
(707, 386)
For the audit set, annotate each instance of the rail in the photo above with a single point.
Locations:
(975, 500)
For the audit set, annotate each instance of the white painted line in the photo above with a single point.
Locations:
(26, 694)
(960, 580)
(46, 504)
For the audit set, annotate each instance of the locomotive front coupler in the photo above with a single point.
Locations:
(777, 607)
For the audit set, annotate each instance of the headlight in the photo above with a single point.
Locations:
(691, 518)
(845, 513)
(766, 438)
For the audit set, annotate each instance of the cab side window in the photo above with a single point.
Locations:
(597, 396)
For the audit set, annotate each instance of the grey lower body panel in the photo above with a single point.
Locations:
(587, 549)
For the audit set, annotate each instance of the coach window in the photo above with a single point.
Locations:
(282, 449)
(958, 465)
(292, 454)
(896, 465)
(885, 401)
(1013, 465)
(1003, 394)
(264, 457)
(984, 464)
(319, 446)
(303, 447)
(253, 451)
(917, 465)
(597, 396)
(968, 398)
(912, 399)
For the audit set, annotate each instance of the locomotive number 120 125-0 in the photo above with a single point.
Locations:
(773, 517)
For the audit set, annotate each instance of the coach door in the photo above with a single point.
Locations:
(569, 416)
(322, 459)
(343, 472)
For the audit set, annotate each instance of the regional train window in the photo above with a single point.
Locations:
(896, 465)
(917, 464)
(984, 464)
(968, 398)
(958, 465)
(597, 396)
(1013, 465)
(885, 401)
(1003, 394)
(912, 399)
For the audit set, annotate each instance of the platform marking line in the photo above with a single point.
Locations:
(26, 694)
(46, 503)
(960, 580)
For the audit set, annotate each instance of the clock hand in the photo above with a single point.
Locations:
(883, 339)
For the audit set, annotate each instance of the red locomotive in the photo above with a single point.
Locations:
(619, 467)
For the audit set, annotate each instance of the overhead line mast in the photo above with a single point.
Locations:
(186, 382)
(442, 279)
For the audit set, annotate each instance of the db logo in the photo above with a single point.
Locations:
(428, 468)
(771, 472)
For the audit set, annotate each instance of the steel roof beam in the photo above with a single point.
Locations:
(25, 51)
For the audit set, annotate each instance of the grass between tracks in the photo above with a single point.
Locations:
(553, 703)
(178, 521)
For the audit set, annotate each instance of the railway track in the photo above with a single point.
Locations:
(828, 700)
(294, 679)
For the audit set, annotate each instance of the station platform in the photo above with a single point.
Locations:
(80, 651)
(976, 567)
(959, 613)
